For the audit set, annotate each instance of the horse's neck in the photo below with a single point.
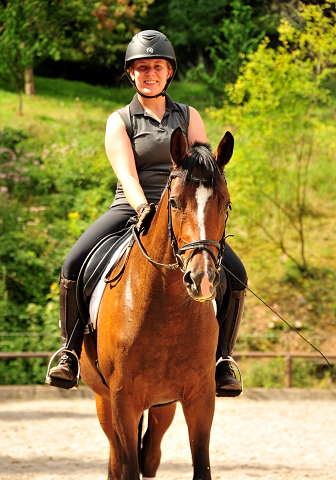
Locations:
(156, 242)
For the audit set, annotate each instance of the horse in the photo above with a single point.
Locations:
(157, 330)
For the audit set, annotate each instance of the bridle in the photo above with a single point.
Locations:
(196, 246)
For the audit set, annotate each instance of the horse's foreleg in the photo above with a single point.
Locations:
(198, 411)
(125, 420)
(159, 420)
(105, 419)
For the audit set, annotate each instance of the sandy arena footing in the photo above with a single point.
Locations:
(49, 434)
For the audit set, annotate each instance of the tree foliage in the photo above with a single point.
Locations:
(193, 25)
(22, 41)
(238, 34)
(271, 106)
(75, 30)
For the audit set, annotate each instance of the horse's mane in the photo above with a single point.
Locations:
(200, 155)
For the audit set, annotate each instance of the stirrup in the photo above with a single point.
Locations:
(59, 382)
(226, 392)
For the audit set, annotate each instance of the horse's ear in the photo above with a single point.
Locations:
(178, 148)
(224, 150)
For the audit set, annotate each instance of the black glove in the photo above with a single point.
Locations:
(145, 213)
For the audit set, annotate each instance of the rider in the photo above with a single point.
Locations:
(133, 136)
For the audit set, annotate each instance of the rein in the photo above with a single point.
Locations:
(196, 245)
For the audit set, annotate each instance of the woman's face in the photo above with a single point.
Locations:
(150, 75)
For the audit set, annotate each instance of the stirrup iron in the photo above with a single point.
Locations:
(230, 360)
(53, 381)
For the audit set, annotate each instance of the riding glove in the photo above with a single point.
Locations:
(145, 213)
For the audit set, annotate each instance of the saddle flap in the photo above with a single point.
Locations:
(96, 265)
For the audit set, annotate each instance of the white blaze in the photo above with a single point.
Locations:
(202, 196)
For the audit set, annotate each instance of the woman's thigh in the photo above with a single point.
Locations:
(112, 221)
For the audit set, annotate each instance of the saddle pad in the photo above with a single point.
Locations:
(100, 287)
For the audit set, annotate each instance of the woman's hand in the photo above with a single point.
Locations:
(145, 213)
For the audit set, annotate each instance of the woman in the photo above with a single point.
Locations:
(134, 135)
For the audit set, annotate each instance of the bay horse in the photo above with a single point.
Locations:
(157, 330)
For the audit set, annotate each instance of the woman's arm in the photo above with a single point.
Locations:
(120, 154)
(196, 129)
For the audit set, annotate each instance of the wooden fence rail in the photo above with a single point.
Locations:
(287, 356)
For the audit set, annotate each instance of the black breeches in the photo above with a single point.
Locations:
(112, 221)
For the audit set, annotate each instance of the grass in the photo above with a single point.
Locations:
(65, 124)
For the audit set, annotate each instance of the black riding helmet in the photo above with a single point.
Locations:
(150, 44)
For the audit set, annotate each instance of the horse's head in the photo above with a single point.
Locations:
(198, 206)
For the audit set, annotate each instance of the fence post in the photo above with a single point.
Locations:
(288, 378)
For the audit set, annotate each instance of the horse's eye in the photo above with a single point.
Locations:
(173, 202)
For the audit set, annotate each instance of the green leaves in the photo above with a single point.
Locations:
(274, 106)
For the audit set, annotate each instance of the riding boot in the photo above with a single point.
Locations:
(64, 375)
(229, 319)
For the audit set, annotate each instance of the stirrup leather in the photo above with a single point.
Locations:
(59, 382)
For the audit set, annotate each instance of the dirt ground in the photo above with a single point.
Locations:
(273, 438)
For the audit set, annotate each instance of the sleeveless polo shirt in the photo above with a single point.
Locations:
(150, 141)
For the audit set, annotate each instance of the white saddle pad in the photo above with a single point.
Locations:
(100, 287)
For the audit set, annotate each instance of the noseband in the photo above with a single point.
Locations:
(196, 246)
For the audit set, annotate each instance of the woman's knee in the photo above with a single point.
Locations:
(235, 270)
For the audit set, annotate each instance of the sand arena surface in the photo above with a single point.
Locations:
(270, 439)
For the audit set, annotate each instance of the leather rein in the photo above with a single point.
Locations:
(196, 246)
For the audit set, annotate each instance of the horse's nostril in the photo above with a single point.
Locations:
(187, 280)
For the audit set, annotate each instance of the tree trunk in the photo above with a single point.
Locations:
(29, 82)
(200, 58)
(20, 102)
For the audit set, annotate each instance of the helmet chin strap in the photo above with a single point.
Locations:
(148, 96)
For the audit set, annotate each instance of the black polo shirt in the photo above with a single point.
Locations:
(150, 141)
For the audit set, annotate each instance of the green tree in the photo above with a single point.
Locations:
(21, 42)
(192, 24)
(238, 35)
(274, 108)
(76, 30)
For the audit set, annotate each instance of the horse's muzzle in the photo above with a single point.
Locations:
(201, 285)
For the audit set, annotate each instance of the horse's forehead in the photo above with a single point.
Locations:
(198, 189)
(202, 194)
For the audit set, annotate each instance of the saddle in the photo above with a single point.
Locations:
(94, 266)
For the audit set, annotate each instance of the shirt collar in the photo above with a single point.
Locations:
(137, 109)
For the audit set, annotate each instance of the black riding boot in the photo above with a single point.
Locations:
(227, 385)
(64, 375)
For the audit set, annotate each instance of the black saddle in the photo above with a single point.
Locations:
(93, 268)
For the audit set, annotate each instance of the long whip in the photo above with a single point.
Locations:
(262, 301)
